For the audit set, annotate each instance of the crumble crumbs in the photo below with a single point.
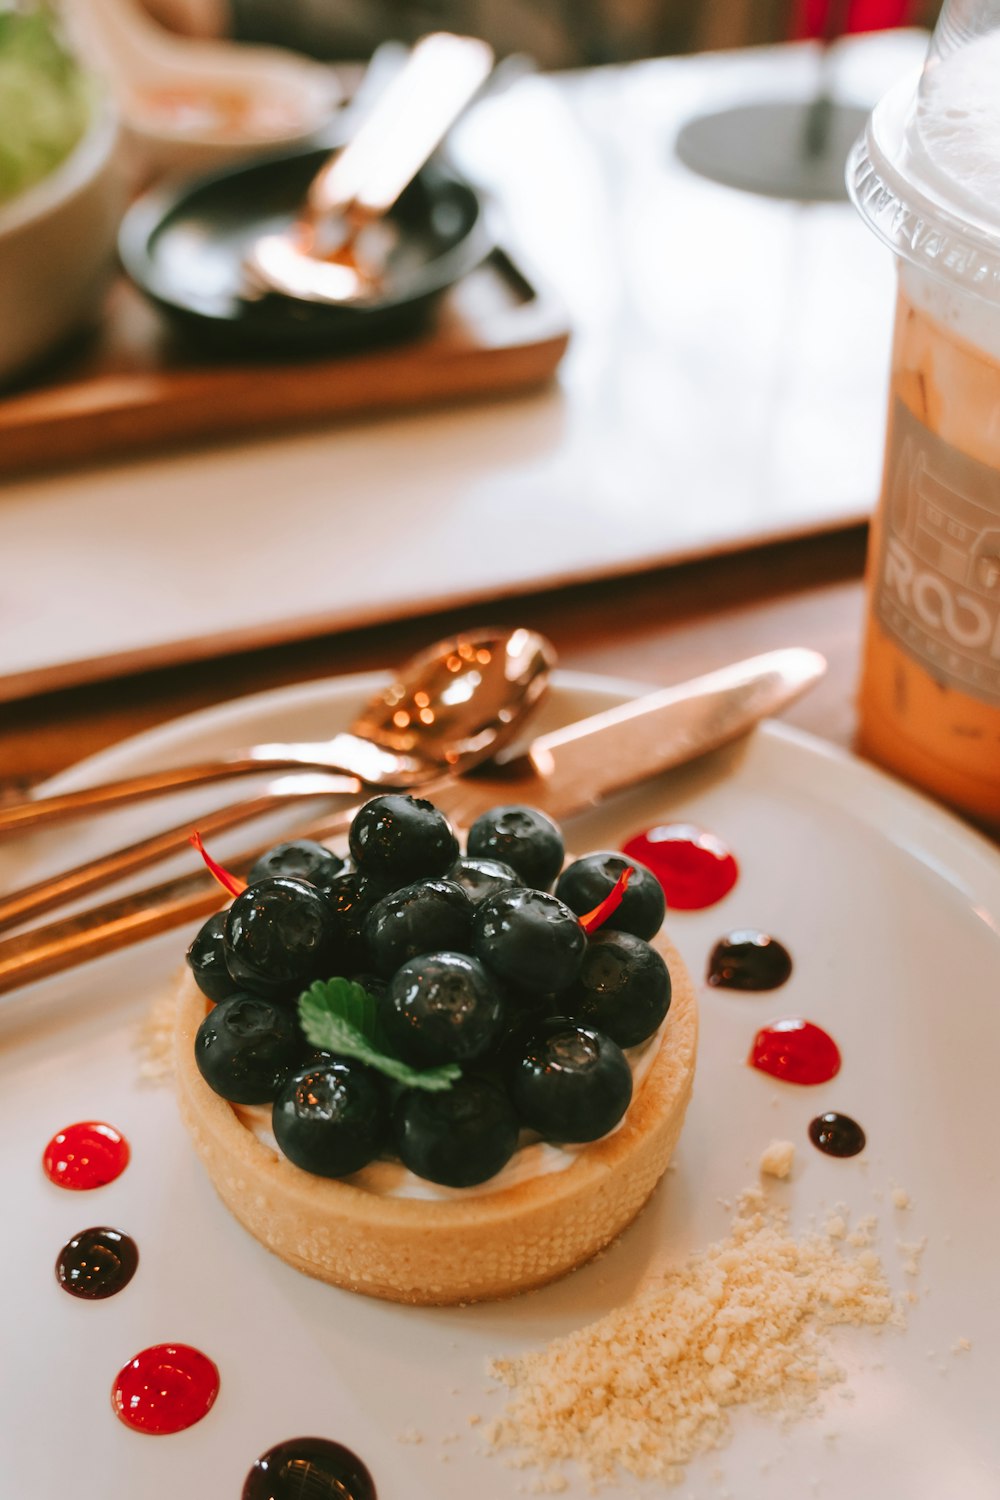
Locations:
(155, 1041)
(650, 1385)
(776, 1159)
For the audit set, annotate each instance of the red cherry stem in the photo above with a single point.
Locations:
(591, 920)
(230, 883)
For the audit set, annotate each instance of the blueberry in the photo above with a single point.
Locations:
(530, 939)
(570, 1083)
(481, 878)
(457, 1137)
(207, 959)
(333, 1119)
(246, 1047)
(623, 988)
(350, 899)
(442, 1007)
(399, 839)
(302, 858)
(421, 918)
(279, 937)
(373, 983)
(585, 883)
(523, 838)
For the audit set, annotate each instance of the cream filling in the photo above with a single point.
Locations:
(533, 1157)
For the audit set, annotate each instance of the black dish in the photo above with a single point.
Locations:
(183, 245)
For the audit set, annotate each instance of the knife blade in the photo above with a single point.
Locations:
(563, 772)
(570, 769)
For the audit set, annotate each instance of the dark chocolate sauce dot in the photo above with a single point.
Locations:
(97, 1263)
(165, 1388)
(308, 1469)
(693, 866)
(836, 1135)
(86, 1155)
(749, 960)
(795, 1051)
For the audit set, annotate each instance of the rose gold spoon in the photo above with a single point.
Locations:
(448, 708)
(317, 259)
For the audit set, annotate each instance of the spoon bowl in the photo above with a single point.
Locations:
(317, 258)
(447, 709)
(460, 701)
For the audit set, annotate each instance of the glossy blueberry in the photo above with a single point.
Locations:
(623, 988)
(458, 1137)
(442, 1007)
(585, 883)
(332, 1119)
(400, 839)
(481, 878)
(279, 937)
(247, 1047)
(373, 983)
(350, 898)
(530, 939)
(571, 1083)
(523, 838)
(302, 858)
(206, 959)
(425, 917)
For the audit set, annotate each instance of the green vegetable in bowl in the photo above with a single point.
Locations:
(45, 99)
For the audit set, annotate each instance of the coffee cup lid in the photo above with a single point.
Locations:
(925, 173)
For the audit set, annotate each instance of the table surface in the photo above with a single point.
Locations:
(659, 627)
(724, 388)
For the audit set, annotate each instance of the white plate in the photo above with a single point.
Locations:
(892, 912)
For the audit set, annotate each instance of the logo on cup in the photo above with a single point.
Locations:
(937, 582)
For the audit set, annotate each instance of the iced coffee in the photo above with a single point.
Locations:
(927, 176)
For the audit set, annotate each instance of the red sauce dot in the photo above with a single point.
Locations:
(795, 1051)
(693, 866)
(165, 1388)
(86, 1155)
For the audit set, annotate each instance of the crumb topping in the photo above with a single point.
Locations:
(155, 1041)
(776, 1159)
(651, 1384)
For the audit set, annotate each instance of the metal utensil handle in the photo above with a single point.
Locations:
(647, 735)
(18, 817)
(94, 874)
(410, 118)
(41, 951)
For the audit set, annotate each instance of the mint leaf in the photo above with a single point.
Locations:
(340, 1016)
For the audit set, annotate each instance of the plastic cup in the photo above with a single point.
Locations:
(925, 175)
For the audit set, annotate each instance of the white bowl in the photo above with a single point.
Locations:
(284, 100)
(57, 247)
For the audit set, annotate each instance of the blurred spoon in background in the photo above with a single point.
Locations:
(328, 255)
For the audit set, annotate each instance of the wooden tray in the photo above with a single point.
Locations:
(135, 385)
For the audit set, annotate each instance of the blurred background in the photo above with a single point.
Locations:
(634, 290)
(557, 33)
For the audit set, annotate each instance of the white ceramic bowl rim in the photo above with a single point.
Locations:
(74, 172)
(310, 85)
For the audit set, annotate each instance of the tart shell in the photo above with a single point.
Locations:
(435, 1252)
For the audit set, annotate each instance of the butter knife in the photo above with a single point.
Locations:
(565, 771)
